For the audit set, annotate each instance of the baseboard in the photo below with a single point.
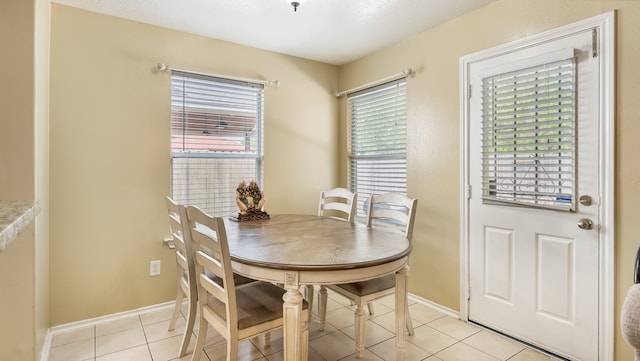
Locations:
(55, 330)
(46, 347)
(447, 311)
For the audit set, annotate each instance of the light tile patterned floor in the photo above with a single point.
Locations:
(438, 337)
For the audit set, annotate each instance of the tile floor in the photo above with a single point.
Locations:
(438, 337)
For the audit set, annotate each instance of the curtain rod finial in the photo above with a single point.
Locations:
(163, 67)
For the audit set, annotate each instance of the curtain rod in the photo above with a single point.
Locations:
(166, 68)
(405, 73)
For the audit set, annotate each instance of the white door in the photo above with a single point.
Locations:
(534, 194)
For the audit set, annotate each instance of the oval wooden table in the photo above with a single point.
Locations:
(297, 250)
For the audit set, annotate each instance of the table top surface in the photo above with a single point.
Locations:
(303, 242)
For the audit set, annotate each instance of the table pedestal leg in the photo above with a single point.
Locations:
(296, 333)
(322, 306)
(401, 308)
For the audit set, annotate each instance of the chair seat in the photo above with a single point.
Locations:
(369, 287)
(257, 303)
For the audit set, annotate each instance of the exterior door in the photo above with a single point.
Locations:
(533, 202)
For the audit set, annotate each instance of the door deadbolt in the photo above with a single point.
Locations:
(585, 223)
(586, 200)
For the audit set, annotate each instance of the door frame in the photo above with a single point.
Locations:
(604, 25)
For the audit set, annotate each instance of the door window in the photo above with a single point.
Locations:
(528, 137)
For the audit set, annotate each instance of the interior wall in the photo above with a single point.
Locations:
(17, 300)
(23, 303)
(41, 158)
(434, 130)
(17, 100)
(110, 151)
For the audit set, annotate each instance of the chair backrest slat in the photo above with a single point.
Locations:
(210, 286)
(338, 203)
(182, 260)
(392, 211)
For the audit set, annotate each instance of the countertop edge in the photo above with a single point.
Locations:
(21, 215)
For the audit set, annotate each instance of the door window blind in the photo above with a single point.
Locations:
(528, 136)
(216, 139)
(378, 141)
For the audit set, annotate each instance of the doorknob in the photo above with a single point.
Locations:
(585, 223)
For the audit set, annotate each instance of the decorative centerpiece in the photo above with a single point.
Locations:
(250, 202)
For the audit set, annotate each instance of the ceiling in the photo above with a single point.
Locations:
(329, 31)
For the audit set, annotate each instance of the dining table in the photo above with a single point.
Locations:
(295, 250)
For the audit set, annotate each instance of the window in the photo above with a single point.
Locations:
(216, 139)
(528, 136)
(378, 141)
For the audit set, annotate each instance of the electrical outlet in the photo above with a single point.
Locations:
(154, 268)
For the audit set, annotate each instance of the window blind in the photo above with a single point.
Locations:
(216, 139)
(378, 141)
(528, 136)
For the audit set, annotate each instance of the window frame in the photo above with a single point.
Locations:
(253, 139)
(366, 157)
(524, 157)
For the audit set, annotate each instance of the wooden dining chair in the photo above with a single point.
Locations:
(391, 211)
(186, 273)
(186, 286)
(236, 313)
(338, 203)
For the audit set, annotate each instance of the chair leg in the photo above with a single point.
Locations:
(202, 337)
(360, 323)
(409, 321)
(188, 331)
(267, 339)
(322, 306)
(309, 297)
(232, 350)
(177, 308)
(370, 306)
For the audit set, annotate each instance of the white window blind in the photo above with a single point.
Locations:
(528, 132)
(378, 141)
(216, 139)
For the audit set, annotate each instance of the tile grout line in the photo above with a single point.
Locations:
(95, 343)
(146, 339)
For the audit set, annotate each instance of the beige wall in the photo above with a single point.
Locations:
(17, 100)
(41, 186)
(24, 66)
(434, 118)
(110, 151)
(17, 300)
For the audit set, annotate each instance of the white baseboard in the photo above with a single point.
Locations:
(55, 330)
(46, 347)
(447, 311)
